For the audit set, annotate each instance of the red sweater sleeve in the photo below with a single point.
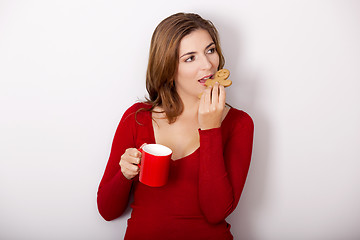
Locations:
(223, 170)
(114, 189)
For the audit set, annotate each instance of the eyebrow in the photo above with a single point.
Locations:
(190, 53)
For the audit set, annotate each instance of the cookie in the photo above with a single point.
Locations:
(221, 77)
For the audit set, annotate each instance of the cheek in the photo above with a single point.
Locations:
(186, 70)
(216, 60)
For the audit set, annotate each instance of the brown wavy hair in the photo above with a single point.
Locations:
(164, 60)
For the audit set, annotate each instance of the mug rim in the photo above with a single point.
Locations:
(166, 151)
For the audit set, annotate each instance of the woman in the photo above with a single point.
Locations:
(211, 142)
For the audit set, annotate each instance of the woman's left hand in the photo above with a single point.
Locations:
(211, 107)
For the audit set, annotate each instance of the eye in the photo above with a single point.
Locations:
(190, 59)
(211, 50)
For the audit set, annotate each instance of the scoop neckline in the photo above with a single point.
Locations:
(152, 133)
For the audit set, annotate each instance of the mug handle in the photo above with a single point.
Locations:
(140, 149)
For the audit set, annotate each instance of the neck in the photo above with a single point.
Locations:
(191, 106)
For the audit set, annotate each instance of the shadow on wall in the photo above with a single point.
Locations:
(243, 95)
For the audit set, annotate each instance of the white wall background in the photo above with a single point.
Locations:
(69, 69)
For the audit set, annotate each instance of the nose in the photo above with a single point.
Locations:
(206, 63)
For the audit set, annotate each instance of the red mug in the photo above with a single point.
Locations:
(154, 164)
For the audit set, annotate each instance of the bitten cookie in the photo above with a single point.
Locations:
(221, 77)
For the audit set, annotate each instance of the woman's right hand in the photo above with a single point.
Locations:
(129, 163)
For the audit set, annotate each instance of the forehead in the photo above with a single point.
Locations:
(195, 41)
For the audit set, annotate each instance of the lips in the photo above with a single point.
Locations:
(203, 80)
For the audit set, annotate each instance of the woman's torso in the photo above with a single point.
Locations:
(172, 211)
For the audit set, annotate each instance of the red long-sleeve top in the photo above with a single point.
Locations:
(202, 190)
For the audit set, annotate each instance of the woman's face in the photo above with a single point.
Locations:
(198, 61)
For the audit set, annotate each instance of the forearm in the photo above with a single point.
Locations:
(215, 191)
(223, 168)
(113, 196)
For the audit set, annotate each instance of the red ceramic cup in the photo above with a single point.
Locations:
(154, 165)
